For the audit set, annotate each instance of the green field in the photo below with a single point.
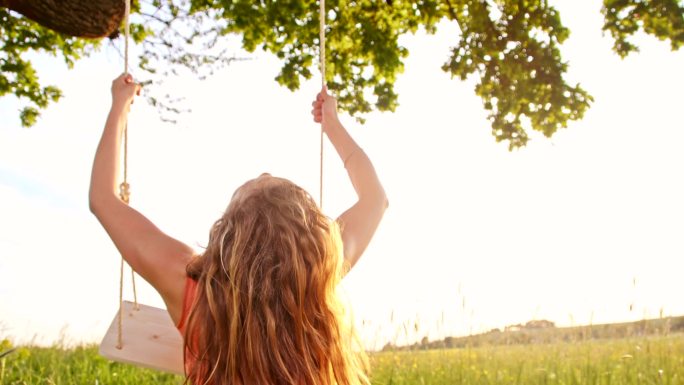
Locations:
(643, 361)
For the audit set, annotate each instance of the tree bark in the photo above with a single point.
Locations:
(81, 18)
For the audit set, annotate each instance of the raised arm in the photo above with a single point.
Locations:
(158, 258)
(360, 221)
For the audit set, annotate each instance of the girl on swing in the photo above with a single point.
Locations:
(258, 306)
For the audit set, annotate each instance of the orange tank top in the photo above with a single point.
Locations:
(188, 298)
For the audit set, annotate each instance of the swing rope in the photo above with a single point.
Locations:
(124, 190)
(321, 41)
(124, 187)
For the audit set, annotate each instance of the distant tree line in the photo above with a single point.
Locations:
(546, 332)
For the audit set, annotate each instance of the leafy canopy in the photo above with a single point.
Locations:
(17, 76)
(510, 46)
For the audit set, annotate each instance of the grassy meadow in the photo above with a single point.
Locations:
(636, 361)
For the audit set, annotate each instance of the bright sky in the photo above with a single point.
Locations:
(476, 237)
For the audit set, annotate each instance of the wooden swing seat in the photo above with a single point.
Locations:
(150, 339)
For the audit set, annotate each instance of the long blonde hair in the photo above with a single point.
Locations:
(266, 310)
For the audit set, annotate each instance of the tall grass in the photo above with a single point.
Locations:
(651, 361)
(644, 361)
(81, 365)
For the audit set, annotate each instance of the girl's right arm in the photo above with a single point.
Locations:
(158, 258)
(360, 221)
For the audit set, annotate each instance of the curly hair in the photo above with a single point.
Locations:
(267, 310)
